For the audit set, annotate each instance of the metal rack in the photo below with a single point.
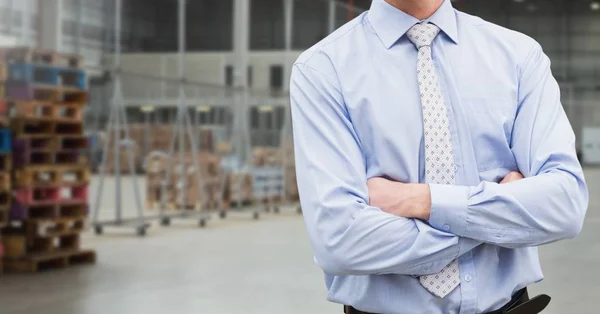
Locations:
(117, 122)
(184, 128)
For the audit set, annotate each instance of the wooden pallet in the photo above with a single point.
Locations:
(56, 111)
(5, 198)
(31, 109)
(20, 91)
(18, 244)
(5, 162)
(5, 181)
(35, 74)
(40, 56)
(67, 127)
(51, 175)
(40, 143)
(53, 227)
(48, 261)
(19, 212)
(68, 111)
(33, 126)
(74, 142)
(75, 210)
(4, 212)
(4, 121)
(51, 195)
(71, 157)
(74, 96)
(33, 158)
(45, 92)
(27, 127)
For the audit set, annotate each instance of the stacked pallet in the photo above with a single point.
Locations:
(5, 160)
(45, 98)
(210, 175)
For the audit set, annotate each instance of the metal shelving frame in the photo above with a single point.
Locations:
(184, 128)
(117, 122)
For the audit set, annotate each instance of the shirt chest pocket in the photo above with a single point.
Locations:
(490, 123)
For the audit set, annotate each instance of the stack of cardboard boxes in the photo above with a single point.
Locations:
(210, 178)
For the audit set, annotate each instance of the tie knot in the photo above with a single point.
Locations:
(422, 34)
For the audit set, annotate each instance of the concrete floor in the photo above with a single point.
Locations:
(244, 266)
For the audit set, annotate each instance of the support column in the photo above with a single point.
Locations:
(288, 18)
(241, 41)
(241, 38)
(79, 29)
(51, 20)
(331, 17)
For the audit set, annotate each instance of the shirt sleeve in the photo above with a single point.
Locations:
(348, 236)
(551, 202)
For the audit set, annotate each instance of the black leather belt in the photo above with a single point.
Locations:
(520, 304)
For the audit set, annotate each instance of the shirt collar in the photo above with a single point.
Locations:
(390, 23)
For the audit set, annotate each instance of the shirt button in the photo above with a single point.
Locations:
(468, 278)
(455, 168)
(447, 227)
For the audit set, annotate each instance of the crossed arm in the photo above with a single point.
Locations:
(353, 232)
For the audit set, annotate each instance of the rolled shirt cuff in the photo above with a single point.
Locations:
(449, 206)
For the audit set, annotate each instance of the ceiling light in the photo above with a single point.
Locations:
(147, 108)
(265, 108)
(519, 1)
(203, 109)
(595, 5)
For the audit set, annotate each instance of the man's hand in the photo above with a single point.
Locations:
(513, 176)
(400, 199)
(409, 200)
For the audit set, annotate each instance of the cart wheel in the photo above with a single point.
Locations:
(255, 216)
(276, 209)
(223, 214)
(299, 210)
(98, 229)
(202, 223)
(141, 231)
(165, 221)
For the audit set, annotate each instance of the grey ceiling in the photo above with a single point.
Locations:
(500, 7)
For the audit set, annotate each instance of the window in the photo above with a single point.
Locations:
(250, 76)
(254, 118)
(229, 75)
(279, 118)
(229, 78)
(276, 77)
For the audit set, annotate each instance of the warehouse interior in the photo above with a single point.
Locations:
(184, 197)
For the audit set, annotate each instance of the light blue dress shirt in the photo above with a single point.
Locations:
(357, 114)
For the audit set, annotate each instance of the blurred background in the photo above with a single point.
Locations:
(185, 152)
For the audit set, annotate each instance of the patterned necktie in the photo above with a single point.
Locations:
(439, 161)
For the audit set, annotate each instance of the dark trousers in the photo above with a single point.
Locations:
(520, 304)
